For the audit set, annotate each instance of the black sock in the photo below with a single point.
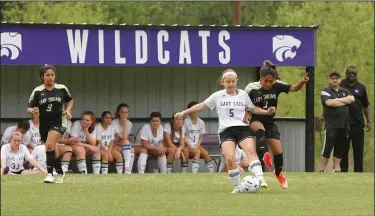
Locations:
(50, 161)
(260, 135)
(57, 166)
(278, 163)
(260, 141)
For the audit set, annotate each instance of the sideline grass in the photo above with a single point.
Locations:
(187, 194)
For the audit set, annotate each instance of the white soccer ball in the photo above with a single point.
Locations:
(251, 184)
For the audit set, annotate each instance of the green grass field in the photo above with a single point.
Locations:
(187, 194)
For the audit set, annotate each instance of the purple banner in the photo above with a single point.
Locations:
(155, 46)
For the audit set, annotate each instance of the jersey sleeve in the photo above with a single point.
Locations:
(129, 127)
(26, 138)
(364, 98)
(75, 129)
(3, 155)
(167, 128)
(67, 96)
(202, 127)
(98, 135)
(211, 101)
(183, 132)
(283, 87)
(325, 95)
(33, 101)
(6, 135)
(144, 133)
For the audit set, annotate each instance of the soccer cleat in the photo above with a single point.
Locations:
(238, 189)
(336, 170)
(267, 158)
(59, 179)
(282, 180)
(323, 170)
(264, 184)
(49, 178)
(127, 170)
(64, 175)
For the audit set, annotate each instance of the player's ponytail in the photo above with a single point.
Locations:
(269, 64)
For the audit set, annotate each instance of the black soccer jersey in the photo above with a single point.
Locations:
(51, 104)
(267, 98)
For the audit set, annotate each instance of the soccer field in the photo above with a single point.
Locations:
(187, 194)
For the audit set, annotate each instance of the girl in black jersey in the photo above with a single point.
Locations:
(263, 125)
(54, 103)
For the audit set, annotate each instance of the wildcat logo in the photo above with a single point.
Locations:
(11, 44)
(285, 46)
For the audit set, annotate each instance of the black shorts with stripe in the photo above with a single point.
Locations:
(271, 129)
(236, 134)
(57, 125)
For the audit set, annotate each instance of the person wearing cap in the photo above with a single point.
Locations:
(335, 101)
(356, 120)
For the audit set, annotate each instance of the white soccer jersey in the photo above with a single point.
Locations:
(119, 129)
(68, 131)
(39, 154)
(26, 138)
(230, 109)
(193, 131)
(79, 133)
(146, 134)
(257, 85)
(35, 135)
(15, 160)
(167, 128)
(105, 136)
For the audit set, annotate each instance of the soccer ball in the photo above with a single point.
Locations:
(251, 184)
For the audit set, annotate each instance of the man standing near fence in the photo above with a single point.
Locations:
(356, 120)
(335, 101)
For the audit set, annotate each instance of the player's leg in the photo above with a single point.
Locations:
(228, 151)
(104, 161)
(118, 158)
(162, 160)
(208, 161)
(96, 159)
(80, 154)
(194, 154)
(30, 172)
(184, 160)
(259, 131)
(142, 159)
(170, 152)
(65, 153)
(327, 147)
(50, 141)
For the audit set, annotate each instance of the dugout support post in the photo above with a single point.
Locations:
(310, 122)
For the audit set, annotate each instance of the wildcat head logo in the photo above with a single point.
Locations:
(11, 44)
(285, 46)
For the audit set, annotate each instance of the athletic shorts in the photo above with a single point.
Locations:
(6, 171)
(271, 130)
(45, 127)
(236, 134)
(334, 137)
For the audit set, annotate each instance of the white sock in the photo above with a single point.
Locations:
(169, 168)
(119, 167)
(131, 162)
(64, 166)
(184, 167)
(127, 151)
(210, 166)
(255, 168)
(96, 166)
(104, 168)
(195, 166)
(141, 164)
(81, 166)
(162, 163)
(234, 176)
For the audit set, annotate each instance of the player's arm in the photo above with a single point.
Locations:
(196, 108)
(200, 139)
(33, 162)
(148, 146)
(349, 99)
(167, 138)
(33, 103)
(90, 139)
(300, 84)
(260, 111)
(3, 160)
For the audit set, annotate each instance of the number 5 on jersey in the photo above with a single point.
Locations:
(49, 107)
(231, 112)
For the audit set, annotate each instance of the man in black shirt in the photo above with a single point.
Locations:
(356, 120)
(335, 101)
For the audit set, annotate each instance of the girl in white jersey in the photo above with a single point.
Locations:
(149, 141)
(13, 156)
(105, 138)
(34, 129)
(174, 141)
(231, 104)
(194, 131)
(84, 131)
(122, 147)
